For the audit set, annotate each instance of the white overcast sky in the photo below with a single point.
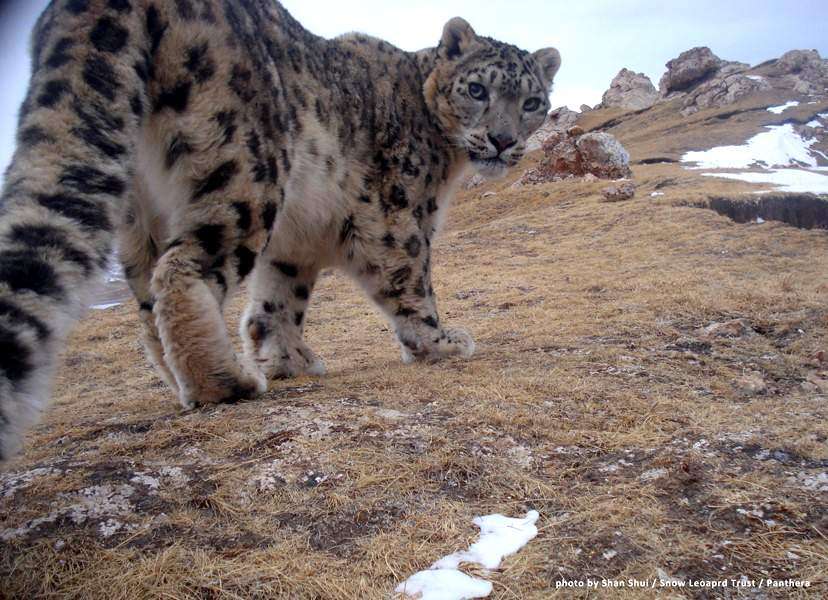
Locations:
(596, 37)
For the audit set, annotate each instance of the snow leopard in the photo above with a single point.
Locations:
(220, 142)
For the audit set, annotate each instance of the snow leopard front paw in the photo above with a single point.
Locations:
(294, 361)
(448, 342)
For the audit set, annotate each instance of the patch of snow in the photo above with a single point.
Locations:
(755, 77)
(609, 554)
(500, 536)
(814, 124)
(759, 220)
(786, 180)
(780, 146)
(444, 584)
(823, 115)
(655, 194)
(778, 110)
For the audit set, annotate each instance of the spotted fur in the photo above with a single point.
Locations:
(220, 141)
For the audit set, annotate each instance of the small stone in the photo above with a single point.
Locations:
(474, 181)
(616, 193)
(729, 329)
(752, 384)
(819, 382)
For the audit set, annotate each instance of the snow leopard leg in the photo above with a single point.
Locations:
(399, 281)
(273, 323)
(138, 253)
(195, 274)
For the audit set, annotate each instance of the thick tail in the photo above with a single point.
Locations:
(63, 191)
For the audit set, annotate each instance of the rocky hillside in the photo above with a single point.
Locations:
(702, 80)
(766, 124)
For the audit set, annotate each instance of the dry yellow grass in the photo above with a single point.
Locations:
(593, 398)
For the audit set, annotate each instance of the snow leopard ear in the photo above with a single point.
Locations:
(549, 60)
(458, 37)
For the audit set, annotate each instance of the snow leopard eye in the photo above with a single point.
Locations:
(532, 104)
(477, 91)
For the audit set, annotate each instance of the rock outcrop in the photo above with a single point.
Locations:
(630, 90)
(728, 85)
(689, 69)
(568, 154)
(805, 71)
(705, 81)
(702, 80)
(560, 119)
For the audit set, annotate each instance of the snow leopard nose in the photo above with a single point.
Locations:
(501, 142)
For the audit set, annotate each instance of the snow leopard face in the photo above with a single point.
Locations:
(489, 96)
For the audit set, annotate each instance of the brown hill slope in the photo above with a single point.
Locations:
(594, 398)
(661, 132)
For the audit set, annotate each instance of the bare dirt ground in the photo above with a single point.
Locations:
(647, 444)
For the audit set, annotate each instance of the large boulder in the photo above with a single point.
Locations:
(631, 91)
(797, 61)
(603, 156)
(560, 119)
(689, 69)
(568, 154)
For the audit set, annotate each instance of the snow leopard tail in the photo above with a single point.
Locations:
(65, 188)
